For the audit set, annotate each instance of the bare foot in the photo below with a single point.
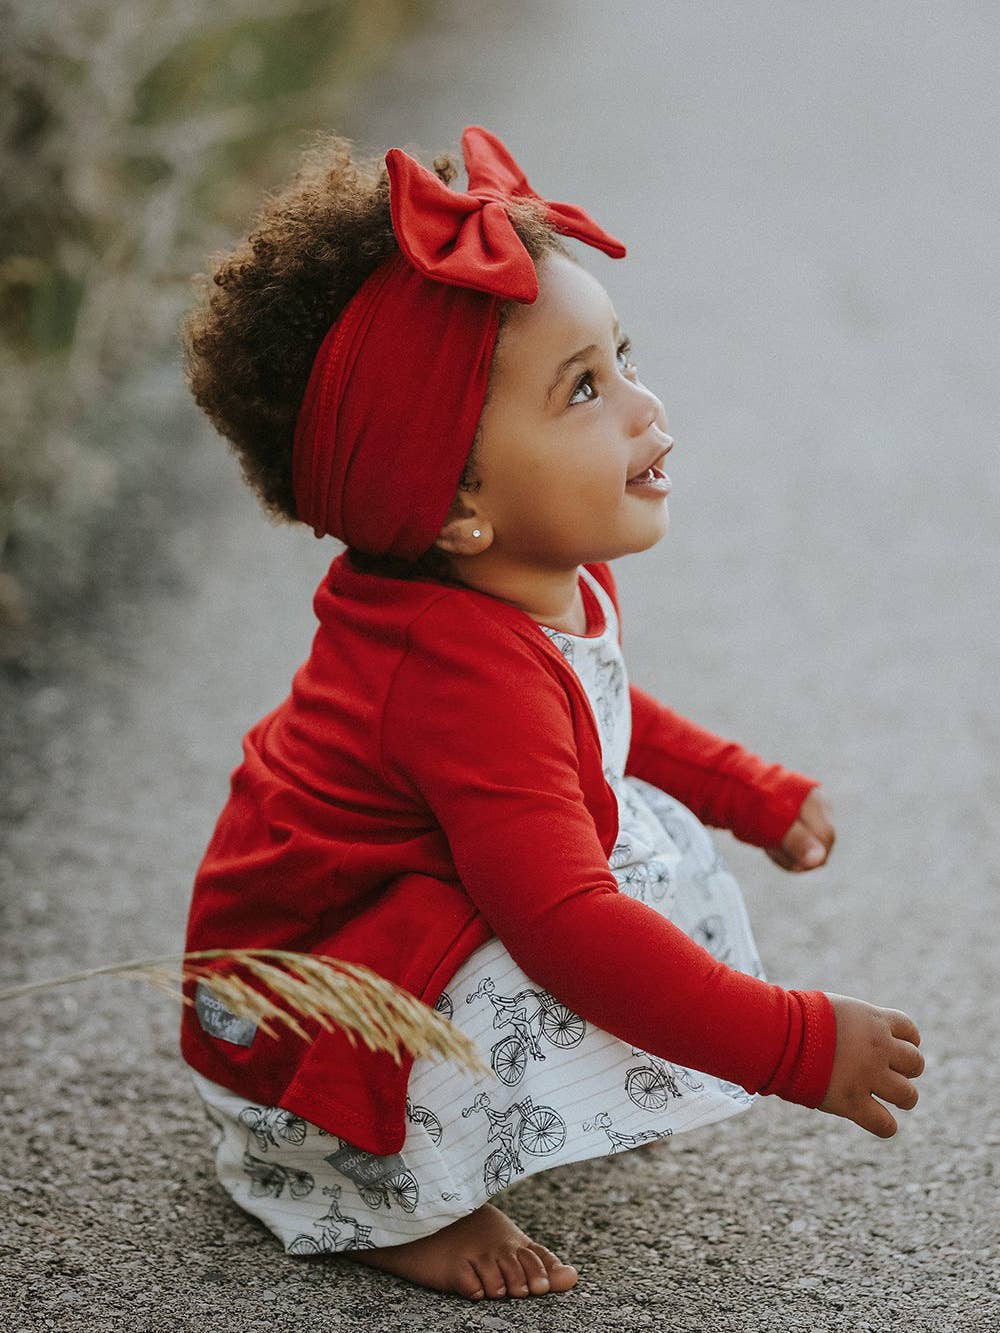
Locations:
(481, 1255)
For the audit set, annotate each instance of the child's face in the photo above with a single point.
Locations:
(559, 442)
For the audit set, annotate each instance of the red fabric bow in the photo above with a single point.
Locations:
(467, 239)
(397, 387)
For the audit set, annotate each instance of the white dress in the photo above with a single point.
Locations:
(564, 1089)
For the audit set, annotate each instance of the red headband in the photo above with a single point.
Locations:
(397, 386)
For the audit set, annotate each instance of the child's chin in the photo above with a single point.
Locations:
(657, 530)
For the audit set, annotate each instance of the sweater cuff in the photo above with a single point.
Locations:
(779, 795)
(803, 1073)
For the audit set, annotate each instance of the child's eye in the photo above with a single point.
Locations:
(624, 348)
(587, 378)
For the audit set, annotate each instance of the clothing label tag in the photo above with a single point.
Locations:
(218, 1021)
(365, 1168)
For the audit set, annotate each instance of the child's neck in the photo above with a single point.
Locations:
(550, 596)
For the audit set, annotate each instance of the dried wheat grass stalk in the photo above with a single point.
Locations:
(327, 990)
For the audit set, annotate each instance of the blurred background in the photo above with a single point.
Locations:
(135, 139)
(808, 196)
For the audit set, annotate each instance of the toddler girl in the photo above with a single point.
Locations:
(463, 790)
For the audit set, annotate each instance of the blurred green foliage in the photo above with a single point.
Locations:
(247, 62)
(133, 139)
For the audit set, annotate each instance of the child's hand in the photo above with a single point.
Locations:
(876, 1056)
(807, 843)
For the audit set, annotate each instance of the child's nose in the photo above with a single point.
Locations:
(647, 409)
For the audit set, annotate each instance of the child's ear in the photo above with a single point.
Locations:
(465, 535)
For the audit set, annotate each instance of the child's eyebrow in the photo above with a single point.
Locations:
(576, 356)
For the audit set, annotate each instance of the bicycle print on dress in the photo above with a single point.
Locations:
(533, 1014)
(333, 1224)
(273, 1127)
(702, 855)
(537, 1130)
(651, 1085)
(422, 1115)
(619, 1141)
(270, 1126)
(272, 1178)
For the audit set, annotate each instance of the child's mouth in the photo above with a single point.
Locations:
(652, 482)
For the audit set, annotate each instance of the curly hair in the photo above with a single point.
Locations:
(250, 342)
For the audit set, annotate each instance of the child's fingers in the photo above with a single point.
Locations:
(902, 1025)
(893, 1087)
(904, 1058)
(802, 846)
(817, 816)
(780, 858)
(874, 1117)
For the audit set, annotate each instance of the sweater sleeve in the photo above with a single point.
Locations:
(725, 785)
(491, 752)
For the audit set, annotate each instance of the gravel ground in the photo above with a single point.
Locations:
(808, 199)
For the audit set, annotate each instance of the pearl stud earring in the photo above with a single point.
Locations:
(476, 532)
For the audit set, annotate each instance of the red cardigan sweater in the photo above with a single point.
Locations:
(434, 778)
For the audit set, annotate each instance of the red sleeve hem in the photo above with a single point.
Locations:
(803, 1073)
(782, 799)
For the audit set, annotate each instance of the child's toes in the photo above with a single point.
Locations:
(535, 1273)
(561, 1276)
(490, 1276)
(469, 1283)
(513, 1272)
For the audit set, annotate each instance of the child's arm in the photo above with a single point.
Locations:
(725, 785)
(490, 749)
